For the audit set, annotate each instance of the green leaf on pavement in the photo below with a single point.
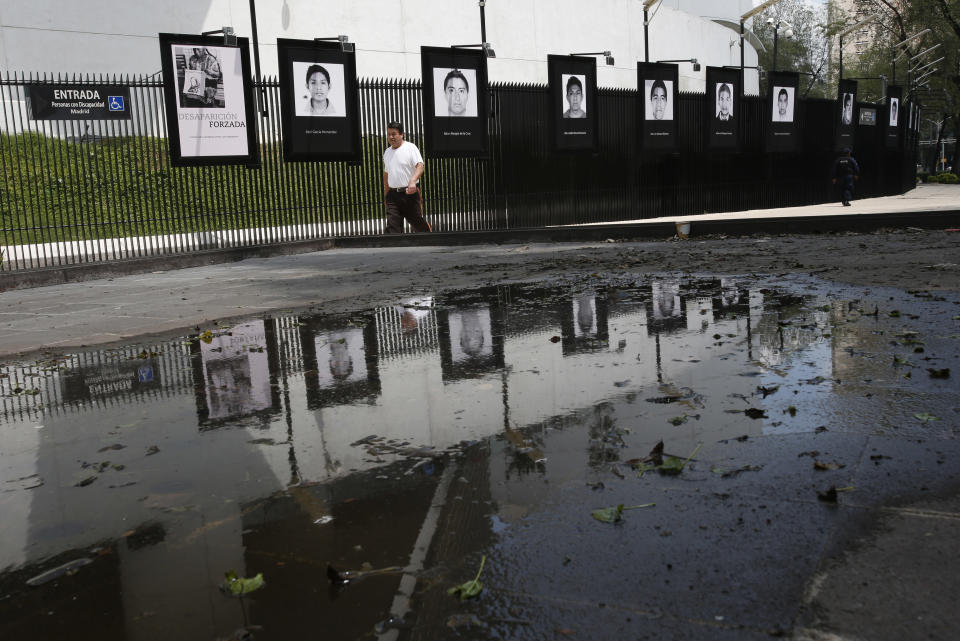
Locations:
(238, 586)
(925, 417)
(615, 514)
(469, 589)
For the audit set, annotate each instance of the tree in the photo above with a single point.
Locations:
(899, 19)
(805, 52)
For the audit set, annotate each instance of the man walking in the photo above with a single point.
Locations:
(845, 172)
(402, 168)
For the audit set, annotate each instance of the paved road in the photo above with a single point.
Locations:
(113, 309)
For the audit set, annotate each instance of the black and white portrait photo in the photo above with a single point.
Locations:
(200, 77)
(783, 104)
(659, 99)
(724, 106)
(846, 114)
(574, 96)
(894, 109)
(319, 89)
(455, 92)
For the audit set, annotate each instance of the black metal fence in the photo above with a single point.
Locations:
(89, 191)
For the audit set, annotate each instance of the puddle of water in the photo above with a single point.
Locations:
(284, 445)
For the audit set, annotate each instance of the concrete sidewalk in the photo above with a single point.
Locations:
(115, 302)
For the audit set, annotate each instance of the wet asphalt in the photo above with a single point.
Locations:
(247, 449)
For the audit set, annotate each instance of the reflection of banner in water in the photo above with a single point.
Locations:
(407, 328)
(472, 343)
(339, 362)
(583, 325)
(341, 357)
(236, 372)
(667, 311)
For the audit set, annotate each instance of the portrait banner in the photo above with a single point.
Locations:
(722, 112)
(319, 101)
(208, 97)
(892, 128)
(783, 133)
(658, 108)
(573, 102)
(846, 123)
(455, 102)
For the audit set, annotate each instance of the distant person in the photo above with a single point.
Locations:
(318, 92)
(783, 107)
(658, 99)
(574, 99)
(402, 169)
(847, 114)
(846, 172)
(724, 102)
(456, 89)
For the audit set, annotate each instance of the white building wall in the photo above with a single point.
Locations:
(119, 36)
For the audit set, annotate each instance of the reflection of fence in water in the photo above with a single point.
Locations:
(94, 380)
(403, 331)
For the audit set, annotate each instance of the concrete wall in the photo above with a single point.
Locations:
(121, 36)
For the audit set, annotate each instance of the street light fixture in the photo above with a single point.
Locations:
(863, 22)
(693, 61)
(749, 14)
(776, 31)
(608, 58)
(345, 44)
(485, 46)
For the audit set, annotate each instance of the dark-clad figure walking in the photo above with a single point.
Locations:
(402, 168)
(845, 172)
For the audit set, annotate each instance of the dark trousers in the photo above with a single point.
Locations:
(402, 206)
(845, 184)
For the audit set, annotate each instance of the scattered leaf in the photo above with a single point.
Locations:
(792, 410)
(238, 586)
(924, 417)
(767, 391)
(674, 465)
(820, 465)
(471, 589)
(615, 514)
(729, 473)
(753, 412)
(939, 373)
(555, 339)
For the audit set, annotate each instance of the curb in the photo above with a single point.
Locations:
(861, 223)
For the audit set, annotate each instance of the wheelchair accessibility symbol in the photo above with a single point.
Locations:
(115, 103)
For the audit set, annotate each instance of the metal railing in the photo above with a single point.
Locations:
(75, 192)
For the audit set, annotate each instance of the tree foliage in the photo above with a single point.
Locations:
(806, 50)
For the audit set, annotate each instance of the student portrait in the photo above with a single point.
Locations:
(724, 106)
(574, 104)
(318, 89)
(894, 109)
(659, 99)
(455, 92)
(846, 114)
(783, 104)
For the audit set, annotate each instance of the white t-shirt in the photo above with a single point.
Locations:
(400, 164)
